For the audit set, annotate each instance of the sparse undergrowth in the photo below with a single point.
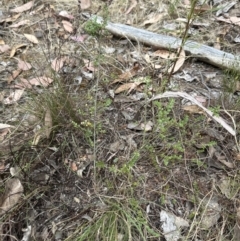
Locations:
(97, 164)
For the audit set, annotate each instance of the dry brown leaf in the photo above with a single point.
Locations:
(12, 194)
(4, 130)
(133, 5)
(154, 19)
(79, 38)
(231, 20)
(58, 63)
(230, 165)
(23, 84)
(3, 133)
(31, 38)
(23, 8)
(127, 86)
(127, 75)
(48, 123)
(74, 167)
(15, 48)
(23, 65)
(14, 75)
(13, 97)
(3, 126)
(201, 9)
(147, 58)
(140, 126)
(186, 2)
(164, 54)
(23, 22)
(4, 48)
(179, 63)
(65, 15)
(67, 26)
(193, 109)
(85, 4)
(11, 19)
(41, 81)
(89, 65)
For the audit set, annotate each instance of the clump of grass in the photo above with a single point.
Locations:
(117, 220)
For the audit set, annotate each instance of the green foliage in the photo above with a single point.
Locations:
(168, 128)
(216, 110)
(173, 7)
(231, 80)
(93, 27)
(127, 167)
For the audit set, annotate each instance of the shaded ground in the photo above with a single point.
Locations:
(99, 163)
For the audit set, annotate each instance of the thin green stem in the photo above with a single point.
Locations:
(184, 39)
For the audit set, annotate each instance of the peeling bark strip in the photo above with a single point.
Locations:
(203, 52)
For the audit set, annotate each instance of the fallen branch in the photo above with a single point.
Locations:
(203, 52)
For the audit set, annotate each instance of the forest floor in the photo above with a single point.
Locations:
(106, 138)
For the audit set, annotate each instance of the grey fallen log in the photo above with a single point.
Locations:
(203, 52)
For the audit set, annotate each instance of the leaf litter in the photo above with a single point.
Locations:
(130, 115)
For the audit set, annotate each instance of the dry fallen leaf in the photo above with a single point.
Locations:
(23, 65)
(179, 63)
(13, 97)
(133, 5)
(14, 75)
(84, 4)
(193, 109)
(48, 123)
(79, 38)
(41, 81)
(74, 167)
(4, 48)
(154, 19)
(67, 26)
(128, 74)
(22, 84)
(31, 38)
(127, 86)
(58, 63)
(231, 20)
(140, 126)
(23, 8)
(12, 194)
(15, 48)
(3, 133)
(23, 22)
(11, 19)
(164, 54)
(201, 9)
(3, 126)
(89, 65)
(65, 14)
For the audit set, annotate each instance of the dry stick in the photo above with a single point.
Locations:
(203, 52)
